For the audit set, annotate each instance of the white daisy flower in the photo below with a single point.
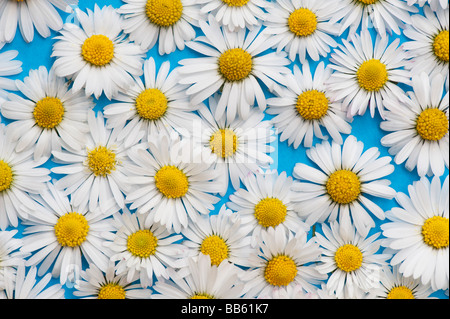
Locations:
(51, 117)
(96, 284)
(302, 27)
(365, 74)
(10, 256)
(8, 66)
(201, 280)
(31, 15)
(418, 232)
(157, 105)
(434, 4)
(20, 176)
(95, 175)
(233, 64)
(429, 45)
(96, 55)
(282, 260)
(346, 175)
(352, 260)
(305, 106)
(419, 127)
(172, 183)
(59, 235)
(169, 22)
(143, 252)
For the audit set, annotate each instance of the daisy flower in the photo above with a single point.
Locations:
(60, 235)
(96, 55)
(429, 43)
(8, 66)
(96, 284)
(233, 64)
(201, 280)
(365, 74)
(418, 129)
(51, 117)
(172, 185)
(10, 256)
(159, 105)
(351, 260)
(345, 176)
(434, 4)
(95, 175)
(302, 28)
(418, 232)
(169, 22)
(30, 15)
(282, 260)
(20, 176)
(142, 252)
(305, 106)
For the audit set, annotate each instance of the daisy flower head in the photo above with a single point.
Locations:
(435, 5)
(417, 232)
(347, 177)
(418, 129)
(50, 117)
(8, 66)
(233, 63)
(10, 256)
(307, 105)
(365, 73)
(92, 54)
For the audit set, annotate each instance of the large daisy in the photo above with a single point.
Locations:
(418, 128)
(8, 66)
(96, 55)
(346, 175)
(51, 117)
(233, 64)
(434, 4)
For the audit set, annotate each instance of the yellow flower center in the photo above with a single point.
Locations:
(171, 182)
(367, 1)
(235, 3)
(348, 258)
(400, 292)
(302, 22)
(201, 296)
(235, 64)
(151, 104)
(101, 161)
(343, 186)
(111, 291)
(270, 212)
(372, 75)
(312, 105)
(280, 271)
(216, 248)
(48, 112)
(71, 229)
(164, 13)
(432, 124)
(6, 176)
(441, 45)
(98, 50)
(224, 143)
(435, 232)
(142, 243)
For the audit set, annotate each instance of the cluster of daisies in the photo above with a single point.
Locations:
(125, 210)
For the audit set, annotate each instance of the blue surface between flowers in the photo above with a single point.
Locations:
(365, 128)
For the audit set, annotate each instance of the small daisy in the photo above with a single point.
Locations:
(429, 45)
(95, 175)
(233, 64)
(158, 106)
(50, 117)
(351, 260)
(10, 256)
(347, 174)
(302, 28)
(282, 260)
(30, 15)
(434, 4)
(95, 54)
(418, 232)
(307, 105)
(419, 127)
(60, 236)
(95, 284)
(142, 252)
(201, 280)
(169, 22)
(365, 74)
